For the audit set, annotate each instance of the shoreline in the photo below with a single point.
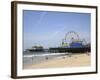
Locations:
(73, 60)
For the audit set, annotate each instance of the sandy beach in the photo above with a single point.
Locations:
(74, 60)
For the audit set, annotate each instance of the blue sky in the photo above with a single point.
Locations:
(48, 28)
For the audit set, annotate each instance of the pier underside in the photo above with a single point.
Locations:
(72, 50)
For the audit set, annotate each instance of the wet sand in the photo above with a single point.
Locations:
(74, 60)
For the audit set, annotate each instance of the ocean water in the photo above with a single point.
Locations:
(38, 57)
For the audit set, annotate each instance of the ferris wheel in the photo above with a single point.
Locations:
(70, 37)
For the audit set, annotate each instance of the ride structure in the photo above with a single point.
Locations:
(72, 43)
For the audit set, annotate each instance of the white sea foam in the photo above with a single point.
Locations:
(47, 54)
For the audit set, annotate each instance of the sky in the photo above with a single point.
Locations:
(48, 28)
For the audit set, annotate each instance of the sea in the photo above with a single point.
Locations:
(38, 57)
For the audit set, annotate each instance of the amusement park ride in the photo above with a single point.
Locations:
(72, 39)
(71, 43)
